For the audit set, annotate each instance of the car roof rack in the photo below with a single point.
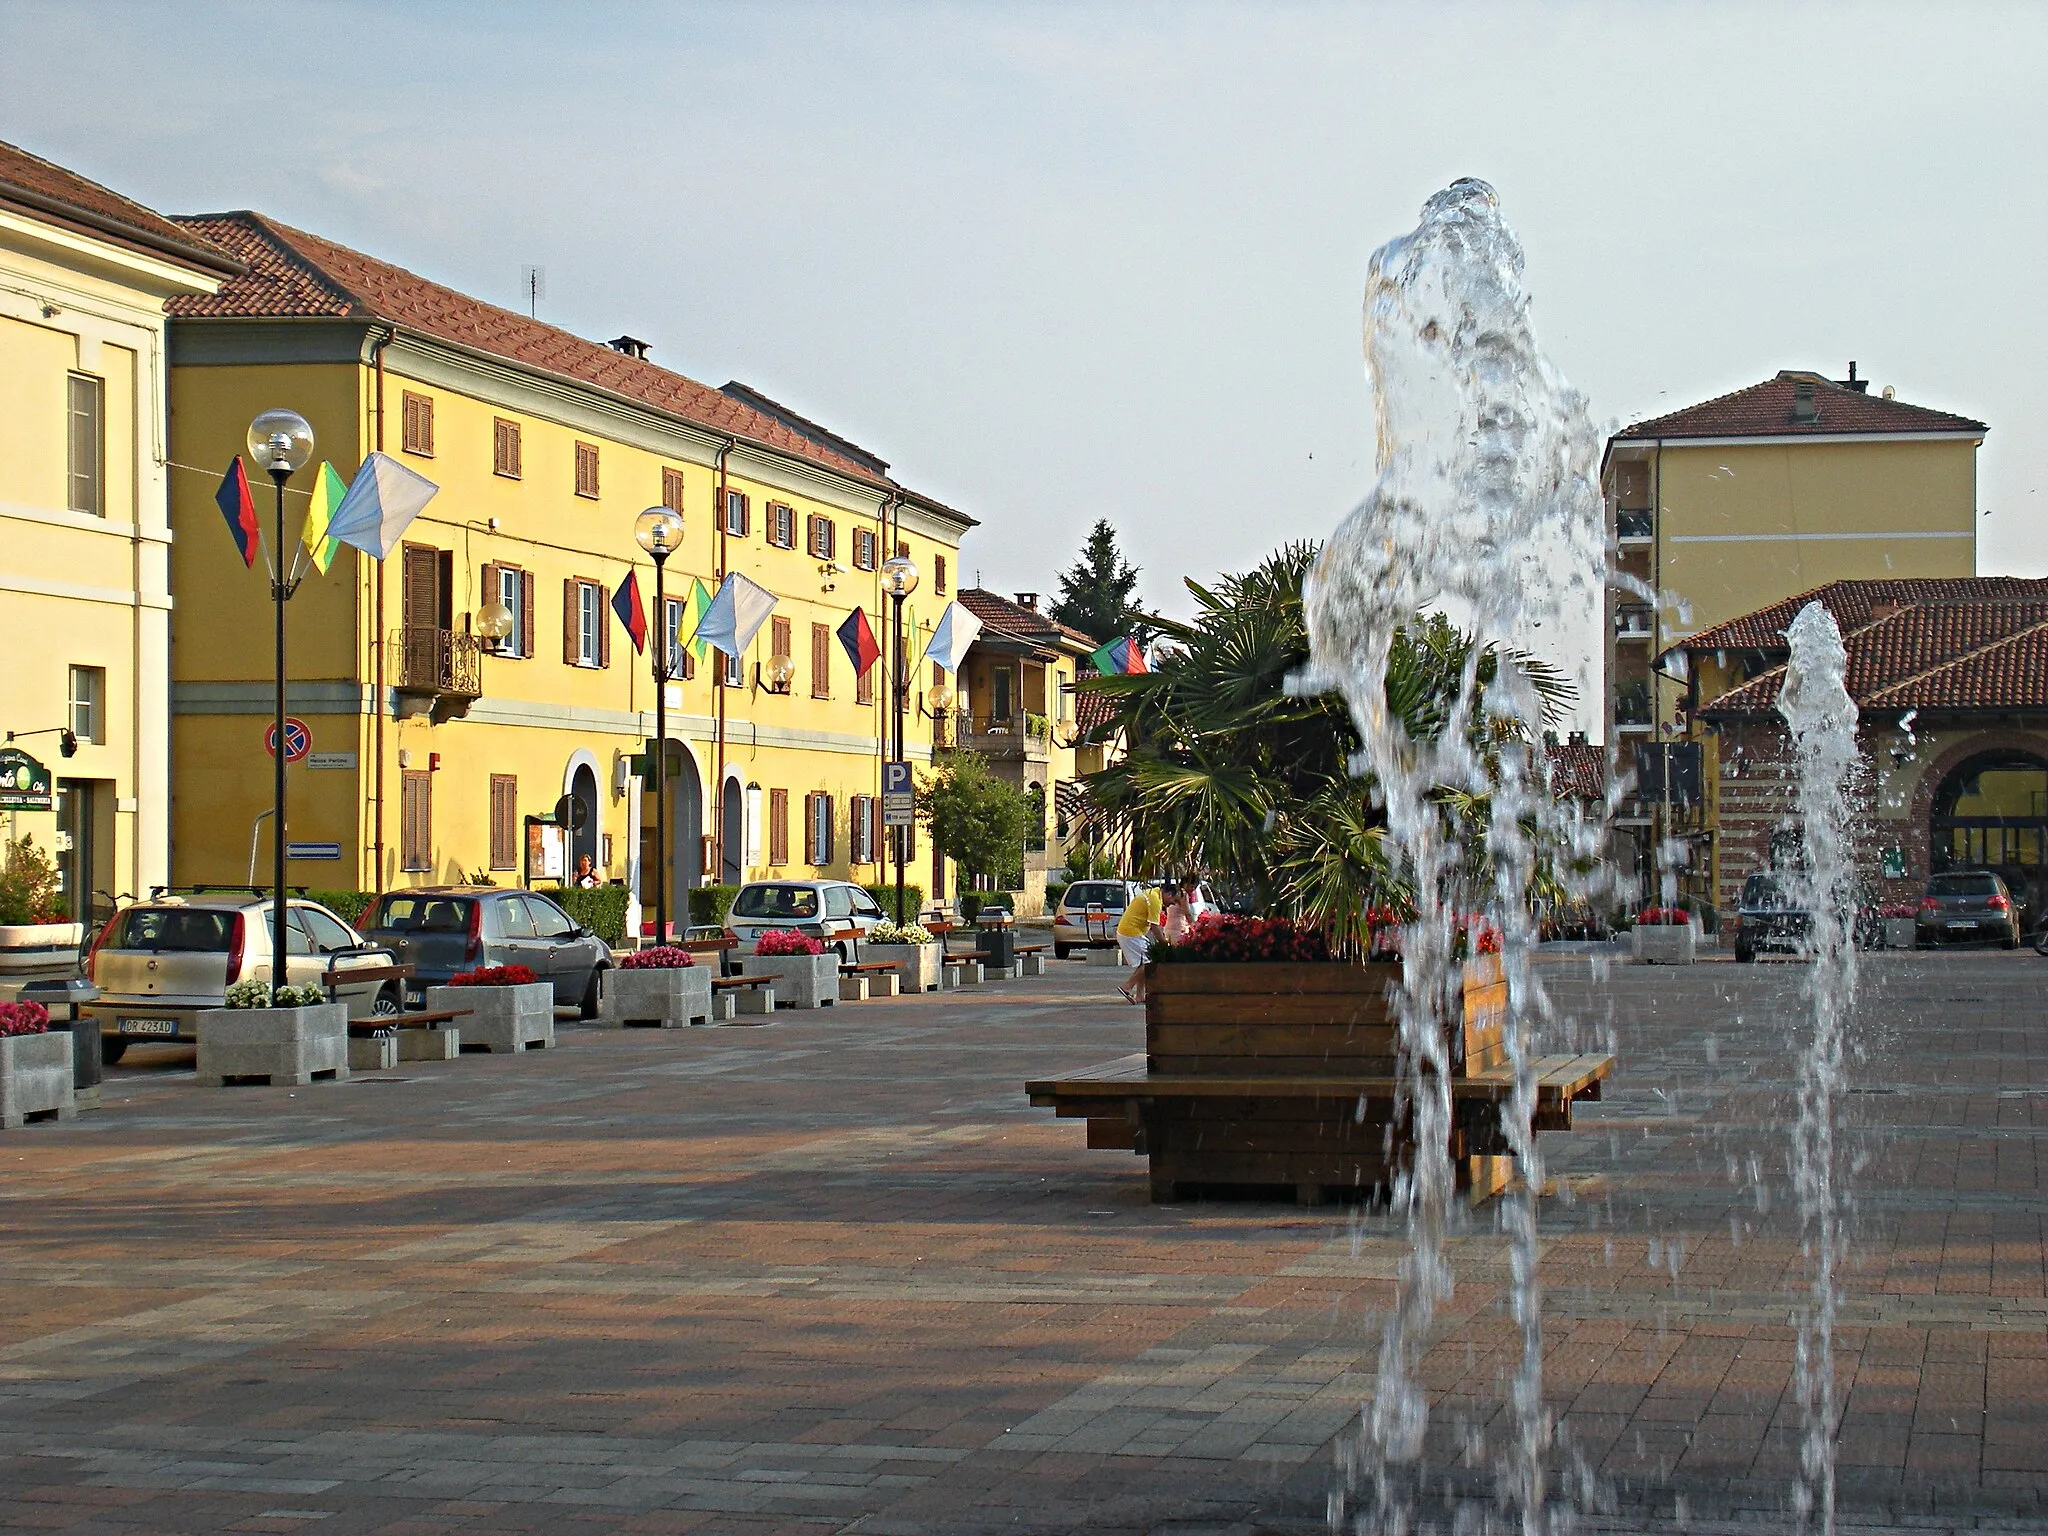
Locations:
(157, 891)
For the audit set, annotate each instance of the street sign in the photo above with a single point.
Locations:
(312, 850)
(899, 798)
(298, 741)
(24, 782)
(345, 760)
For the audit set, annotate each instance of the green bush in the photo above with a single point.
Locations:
(1054, 890)
(349, 906)
(709, 904)
(884, 892)
(970, 905)
(601, 909)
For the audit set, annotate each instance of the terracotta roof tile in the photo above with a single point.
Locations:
(294, 274)
(1765, 410)
(46, 189)
(1578, 770)
(1852, 603)
(1020, 623)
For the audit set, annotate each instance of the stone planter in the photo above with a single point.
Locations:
(1663, 943)
(35, 1078)
(655, 999)
(1900, 933)
(30, 950)
(276, 1045)
(801, 981)
(917, 965)
(500, 1018)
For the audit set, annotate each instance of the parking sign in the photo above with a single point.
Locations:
(898, 796)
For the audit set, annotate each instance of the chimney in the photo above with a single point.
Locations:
(1578, 738)
(1028, 600)
(1884, 610)
(1861, 386)
(1804, 411)
(630, 346)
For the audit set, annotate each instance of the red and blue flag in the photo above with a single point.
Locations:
(239, 508)
(859, 641)
(626, 604)
(1120, 656)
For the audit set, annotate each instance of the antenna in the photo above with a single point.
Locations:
(535, 281)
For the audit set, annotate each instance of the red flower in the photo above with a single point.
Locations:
(787, 941)
(23, 1019)
(494, 976)
(1662, 917)
(663, 957)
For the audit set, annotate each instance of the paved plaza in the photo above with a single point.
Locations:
(834, 1274)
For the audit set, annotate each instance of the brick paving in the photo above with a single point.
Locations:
(834, 1274)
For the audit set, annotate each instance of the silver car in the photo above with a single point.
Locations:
(1088, 913)
(818, 909)
(159, 963)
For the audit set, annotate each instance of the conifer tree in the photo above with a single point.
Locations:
(1095, 596)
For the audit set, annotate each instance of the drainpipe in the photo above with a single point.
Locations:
(377, 346)
(718, 688)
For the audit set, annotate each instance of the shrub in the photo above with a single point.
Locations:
(1216, 937)
(29, 890)
(663, 957)
(601, 909)
(787, 941)
(494, 976)
(970, 905)
(709, 904)
(256, 993)
(884, 892)
(909, 933)
(349, 906)
(23, 1019)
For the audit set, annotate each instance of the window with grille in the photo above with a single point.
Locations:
(416, 820)
(416, 424)
(781, 525)
(505, 448)
(672, 489)
(87, 444)
(821, 661)
(89, 704)
(938, 573)
(736, 514)
(864, 546)
(504, 821)
(778, 826)
(586, 470)
(823, 536)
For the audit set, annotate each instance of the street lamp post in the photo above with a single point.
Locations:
(280, 442)
(899, 580)
(659, 531)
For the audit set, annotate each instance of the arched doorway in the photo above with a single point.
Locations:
(583, 838)
(732, 832)
(1991, 813)
(685, 822)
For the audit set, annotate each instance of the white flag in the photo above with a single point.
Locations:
(381, 503)
(957, 631)
(736, 614)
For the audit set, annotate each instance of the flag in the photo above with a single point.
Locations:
(626, 604)
(1121, 655)
(239, 508)
(693, 615)
(380, 505)
(859, 640)
(328, 492)
(950, 641)
(735, 615)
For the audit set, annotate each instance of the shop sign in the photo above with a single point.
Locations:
(24, 782)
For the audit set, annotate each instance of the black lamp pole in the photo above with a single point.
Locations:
(280, 590)
(896, 631)
(661, 666)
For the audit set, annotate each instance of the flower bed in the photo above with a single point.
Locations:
(1662, 917)
(662, 957)
(23, 1019)
(658, 988)
(257, 993)
(1217, 939)
(494, 976)
(294, 1043)
(890, 936)
(782, 942)
(913, 949)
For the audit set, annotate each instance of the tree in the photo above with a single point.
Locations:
(978, 819)
(1095, 596)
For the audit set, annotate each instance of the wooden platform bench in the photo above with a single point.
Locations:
(1259, 1078)
(422, 1036)
(1030, 958)
(734, 995)
(860, 980)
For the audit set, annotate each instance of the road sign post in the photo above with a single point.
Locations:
(899, 798)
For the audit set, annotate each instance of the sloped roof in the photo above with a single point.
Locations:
(48, 191)
(293, 274)
(1578, 770)
(1765, 410)
(1016, 622)
(1852, 603)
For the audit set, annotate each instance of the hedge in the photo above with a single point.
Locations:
(349, 906)
(709, 904)
(601, 909)
(884, 893)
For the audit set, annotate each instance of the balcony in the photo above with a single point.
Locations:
(1634, 713)
(1634, 623)
(437, 670)
(1015, 737)
(1638, 527)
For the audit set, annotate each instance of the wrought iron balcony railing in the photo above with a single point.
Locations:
(443, 662)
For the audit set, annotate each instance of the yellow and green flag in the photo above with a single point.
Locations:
(693, 616)
(328, 490)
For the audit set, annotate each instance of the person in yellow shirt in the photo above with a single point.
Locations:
(1134, 931)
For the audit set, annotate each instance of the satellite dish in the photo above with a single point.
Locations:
(1890, 393)
(572, 813)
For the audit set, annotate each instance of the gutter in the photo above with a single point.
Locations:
(207, 257)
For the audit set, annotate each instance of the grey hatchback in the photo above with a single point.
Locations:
(440, 930)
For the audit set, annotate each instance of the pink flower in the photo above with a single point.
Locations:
(663, 957)
(786, 941)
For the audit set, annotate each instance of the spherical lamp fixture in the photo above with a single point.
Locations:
(494, 624)
(659, 531)
(280, 442)
(899, 575)
(940, 698)
(779, 671)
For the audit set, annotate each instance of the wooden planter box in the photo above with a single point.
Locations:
(666, 998)
(1663, 943)
(501, 1018)
(801, 981)
(35, 1078)
(277, 1045)
(917, 965)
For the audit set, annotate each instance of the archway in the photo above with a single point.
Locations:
(685, 824)
(1991, 812)
(732, 831)
(583, 838)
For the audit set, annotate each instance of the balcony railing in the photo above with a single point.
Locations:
(442, 662)
(1019, 735)
(1635, 525)
(1633, 623)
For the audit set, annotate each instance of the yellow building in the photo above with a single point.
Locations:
(436, 755)
(1725, 507)
(84, 537)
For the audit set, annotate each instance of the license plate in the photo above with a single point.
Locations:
(1953, 923)
(149, 1026)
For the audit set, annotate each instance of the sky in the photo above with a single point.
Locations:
(1065, 262)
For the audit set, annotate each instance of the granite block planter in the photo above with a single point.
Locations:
(35, 1078)
(274, 1045)
(437, 1042)
(500, 1018)
(917, 965)
(655, 998)
(29, 951)
(801, 981)
(1900, 933)
(373, 1053)
(1663, 943)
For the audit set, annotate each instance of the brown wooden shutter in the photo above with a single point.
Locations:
(864, 685)
(504, 821)
(572, 620)
(416, 416)
(875, 831)
(778, 826)
(417, 602)
(491, 583)
(672, 489)
(810, 829)
(938, 573)
(416, 819)
(526, 613)
(604, 628)
(821, 662)
(778, 638)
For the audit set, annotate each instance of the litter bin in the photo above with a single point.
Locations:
(63, 999)
(995, 940)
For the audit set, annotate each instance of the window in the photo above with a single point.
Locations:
(505, 448)
(416, 820)
(864, 546)
(87, 442)
(514, 588)
(864, 685)
(504, 821)
(89, 704)
(680, 662)
(586, 470)
(416, 415)
(1002, 681)
(938, 573)
(736, 514)
(778, 826)
(672, 489)
(549, 920)
(838, 901)
(781, 525)
(860, 831)
(820, 536)
(328, 935)
(821, 661)
(817, 829)
(586, 637)
(510, 918)
(778, 641)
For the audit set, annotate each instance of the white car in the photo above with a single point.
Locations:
(1088, 913)
(818, 909)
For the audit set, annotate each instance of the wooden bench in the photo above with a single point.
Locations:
(1259, 1077)
(421, 1036)
(859, 978)
(743, 994)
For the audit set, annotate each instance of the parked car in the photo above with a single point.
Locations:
(440, 930)
(818, 909)
(1087, 915)
(1969, 904)
(160, 963)
(1769, 921)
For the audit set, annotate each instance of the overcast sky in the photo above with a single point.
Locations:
(1065, 262)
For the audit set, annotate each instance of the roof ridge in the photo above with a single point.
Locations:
(1959, 659)
(270, 229)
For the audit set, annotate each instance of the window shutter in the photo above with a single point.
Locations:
(864, 685)
(821, 662)
(572, 622)
(938, 573)
(824, 829)
(810, 829)
(526, 613)
(778, 636)
(604, 628)
(672, 489)
(778, 826)
(492, 584)
(504, 821)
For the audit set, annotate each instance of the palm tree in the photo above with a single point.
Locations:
(1228, 772)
